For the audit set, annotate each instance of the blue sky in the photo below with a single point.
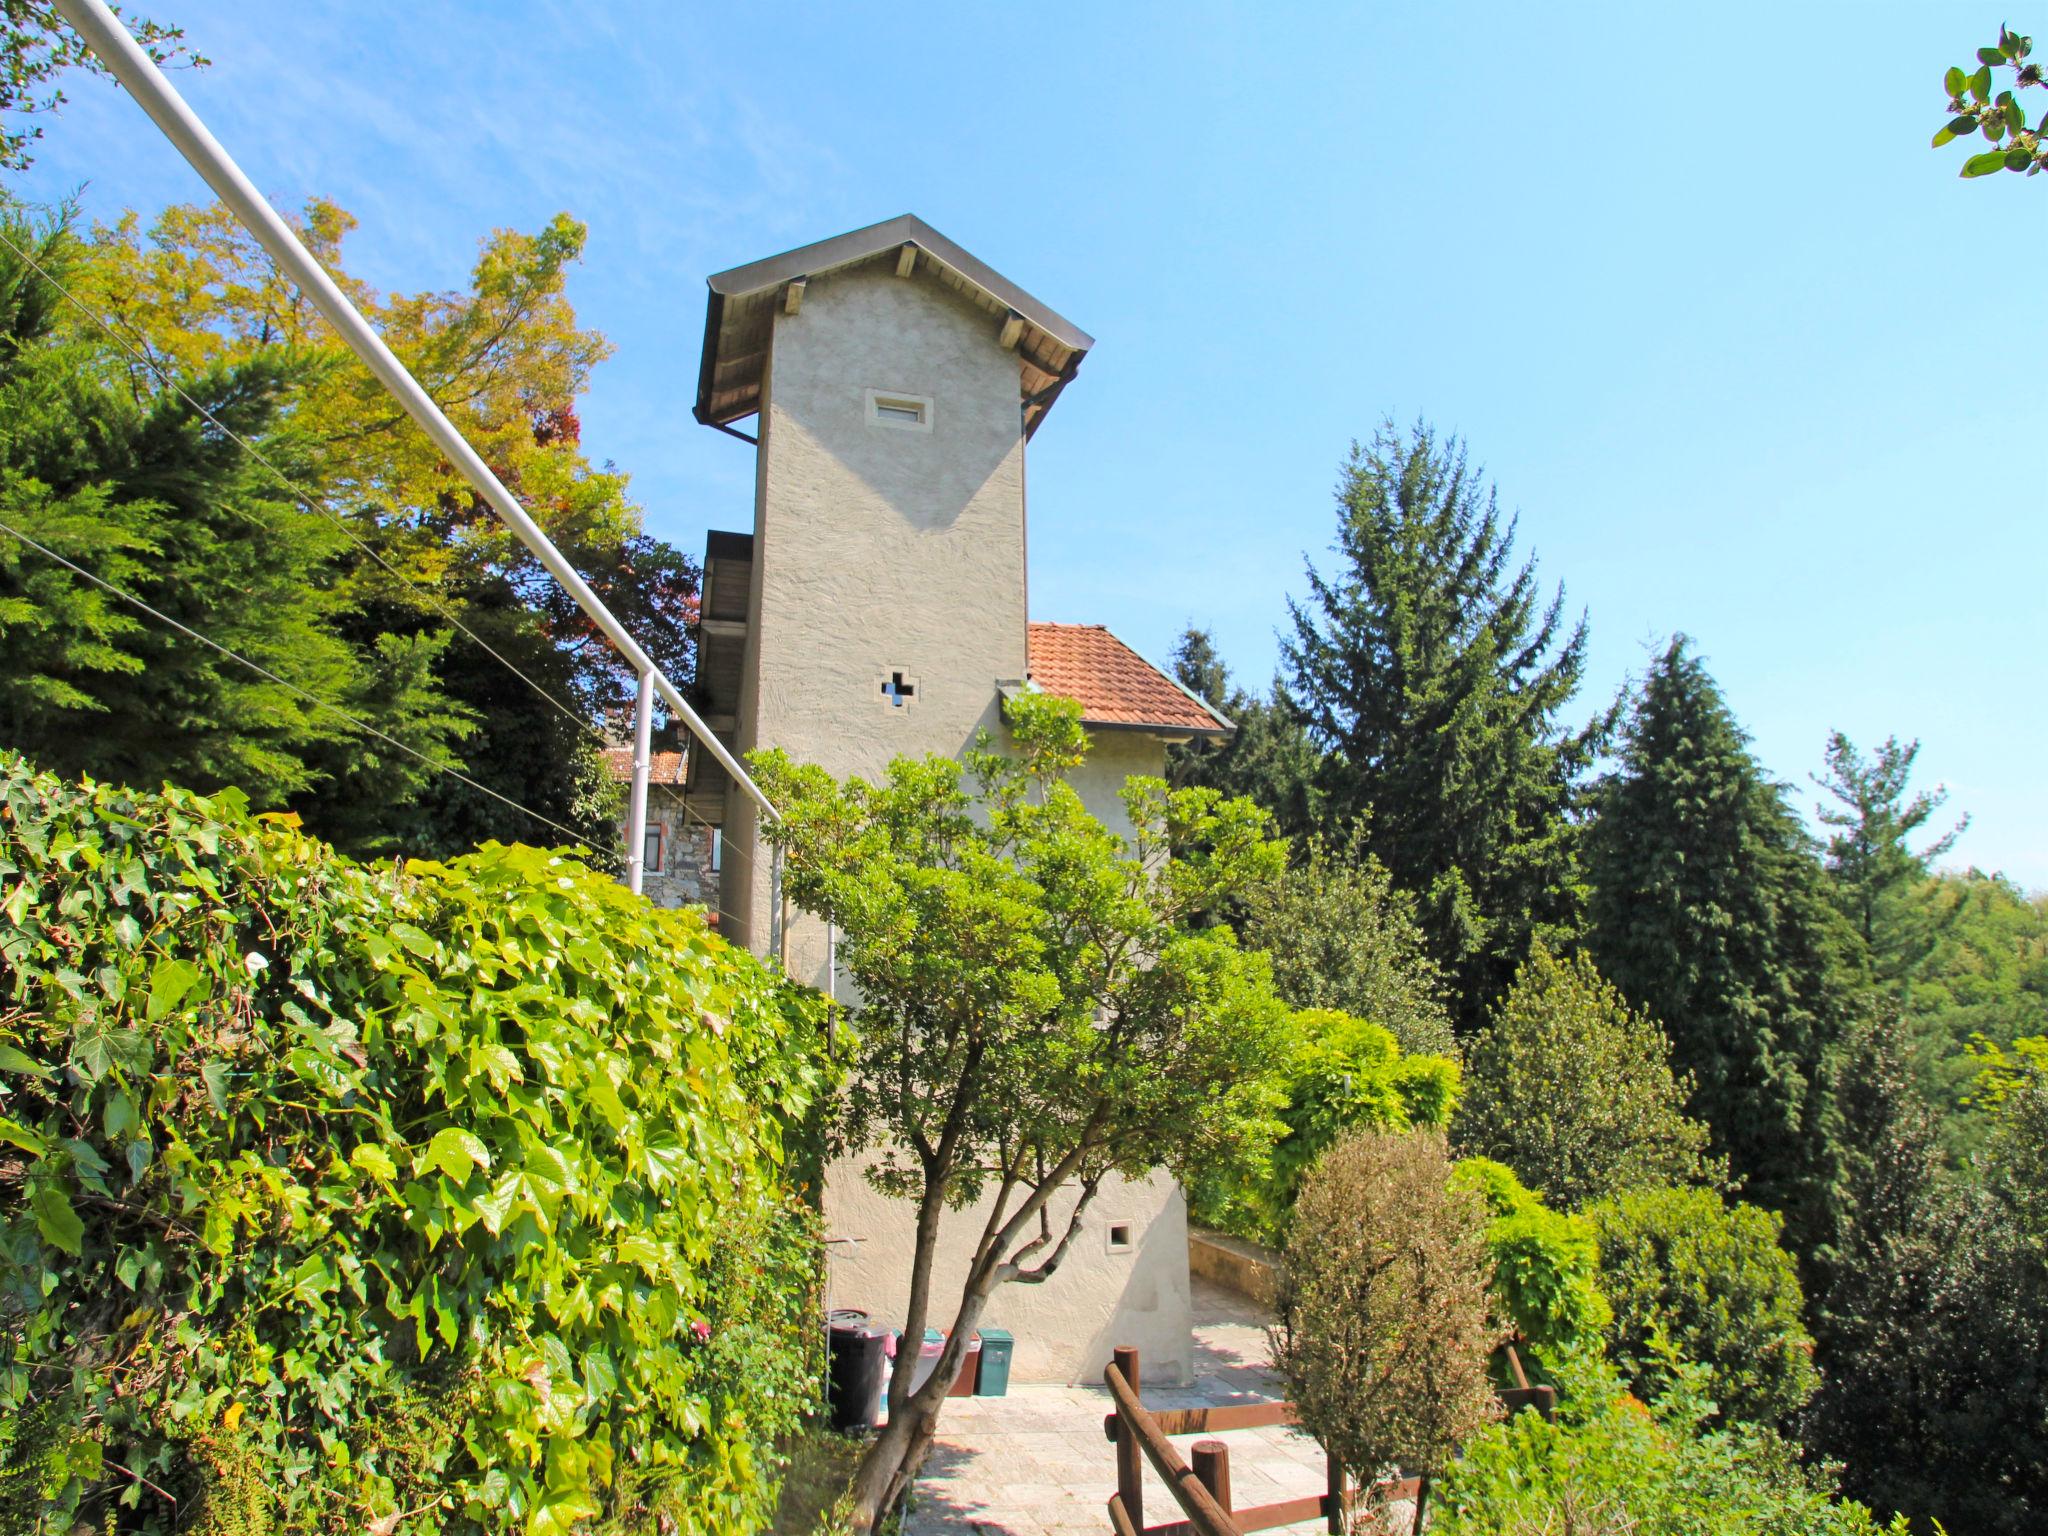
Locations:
(1738, 347)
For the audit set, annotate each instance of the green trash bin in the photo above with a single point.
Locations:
(993, 1380)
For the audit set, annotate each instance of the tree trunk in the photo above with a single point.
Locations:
(892, 1460)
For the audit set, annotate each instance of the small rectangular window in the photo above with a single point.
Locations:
(717, 849)
(909, 413)
(1119, 1237)
(650, 855)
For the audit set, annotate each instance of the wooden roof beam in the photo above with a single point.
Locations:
(793, 295)
(906, 260)
(1013, 328)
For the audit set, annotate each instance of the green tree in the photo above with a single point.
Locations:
(1708, 912)
(1269, 760)
(2000, 119)
(1884, 1264)
(1573, 1090)
(37, 52)
(1546, 1263)
(1432, 674)
(1686, 1266)
(1341, 935)
(1042, 1004)
(1335, 1073)
(138, 488)
(1982, 971)
(1386, 1306)
(425, 597)
(1870, 865)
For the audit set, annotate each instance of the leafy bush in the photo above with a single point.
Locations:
(448, 1197)
(1545, 1263)
(1575, 1092)
(1385, 1328)
(1687, 1267)
(1343, 936)
(1609, 1466)
(1342, 1073)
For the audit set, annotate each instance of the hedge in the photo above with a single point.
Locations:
(395, 1198)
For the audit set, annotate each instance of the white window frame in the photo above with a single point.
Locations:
(658, 831)
(899, 400)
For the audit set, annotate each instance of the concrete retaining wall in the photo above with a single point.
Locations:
(1247, 1268)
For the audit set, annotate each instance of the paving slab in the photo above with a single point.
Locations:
(1036, 1463)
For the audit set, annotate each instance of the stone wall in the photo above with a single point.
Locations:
(686, 878)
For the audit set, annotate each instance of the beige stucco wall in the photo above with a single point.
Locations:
(1065, 1327)
(880, 548)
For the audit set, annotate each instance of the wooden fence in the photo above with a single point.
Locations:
(1203, 1490)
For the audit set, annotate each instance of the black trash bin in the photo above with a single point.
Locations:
(853, 1380)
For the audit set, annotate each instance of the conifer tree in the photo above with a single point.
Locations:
(1432, 673)
(1871, 868)
(1707, 911)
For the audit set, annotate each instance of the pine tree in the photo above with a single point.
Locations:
(1432, 673)
(1270, 760)
(1707, 911)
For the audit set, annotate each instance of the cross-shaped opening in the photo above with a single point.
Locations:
(896, 690)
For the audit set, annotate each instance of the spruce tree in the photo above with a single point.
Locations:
(1707, 911)
(1432, 673)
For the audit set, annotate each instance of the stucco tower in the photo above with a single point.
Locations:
(879, 605)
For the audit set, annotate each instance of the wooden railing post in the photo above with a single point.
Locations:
(1333, 1510)
(1212, 1470)
(1130, 1460)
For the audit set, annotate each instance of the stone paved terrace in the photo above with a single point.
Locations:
(1036, 1463)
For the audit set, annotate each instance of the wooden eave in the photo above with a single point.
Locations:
(739, 320)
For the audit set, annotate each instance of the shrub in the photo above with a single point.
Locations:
(1684, 1265)
(1609, 1466)
(1342, 1073)
(447, 1197)
(1574, 1091)
(1343, 936)
(1545, 1264)
(1385, 1333)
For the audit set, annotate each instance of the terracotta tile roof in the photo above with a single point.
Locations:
(1116, 686)
(662, 767)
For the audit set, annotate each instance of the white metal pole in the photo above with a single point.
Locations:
(636, 815)
(125, 59)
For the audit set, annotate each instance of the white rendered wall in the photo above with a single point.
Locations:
(1065, 1327)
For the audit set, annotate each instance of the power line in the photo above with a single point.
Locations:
(314, 699)
(311, 502)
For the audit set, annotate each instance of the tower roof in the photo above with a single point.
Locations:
(740, 317)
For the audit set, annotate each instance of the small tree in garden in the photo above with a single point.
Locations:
(1574, 1090)
(1385, 1304)
(1040, 1005)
